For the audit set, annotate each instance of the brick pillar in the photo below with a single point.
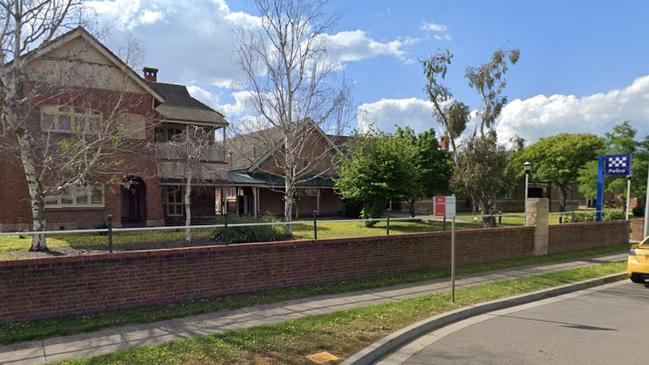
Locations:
(538, 216)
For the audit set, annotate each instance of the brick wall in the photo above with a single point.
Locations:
(41, 288)
(85, 284)
(576, 236)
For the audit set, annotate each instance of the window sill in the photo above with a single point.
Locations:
(58, 209)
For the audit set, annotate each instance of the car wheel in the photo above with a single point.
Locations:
(637, 279)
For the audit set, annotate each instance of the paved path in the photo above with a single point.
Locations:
(604, 325)
(112, 339)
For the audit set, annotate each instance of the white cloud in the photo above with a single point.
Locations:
(151, 16)
(203, 95)
(192, 41)
(434, 27)
(439, 31)
(355, 45)
(386, 113)
(542, 116)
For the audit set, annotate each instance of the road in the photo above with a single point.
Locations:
(605, 325)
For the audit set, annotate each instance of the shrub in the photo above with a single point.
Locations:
(613, 215)
(638, 212)
(371, 210)
(579, 217)
(261, 233)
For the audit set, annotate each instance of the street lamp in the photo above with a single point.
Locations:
(628, 195)
(528, 168)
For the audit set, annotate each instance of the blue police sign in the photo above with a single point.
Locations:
(618, 165)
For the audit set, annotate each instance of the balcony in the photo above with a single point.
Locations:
(170, 152)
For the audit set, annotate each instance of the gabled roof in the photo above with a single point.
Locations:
(180, 105)
(81, 32)
(248, 153)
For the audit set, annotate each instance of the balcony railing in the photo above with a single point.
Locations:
(170, 152)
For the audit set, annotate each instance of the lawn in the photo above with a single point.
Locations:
(12, 247)
(341, 333)
(24, 331)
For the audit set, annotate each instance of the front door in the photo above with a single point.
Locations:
(133, 201)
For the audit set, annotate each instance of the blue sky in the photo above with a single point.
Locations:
(584, 64)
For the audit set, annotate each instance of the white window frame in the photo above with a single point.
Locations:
(57, 112)
(74, 194)
(179, 206)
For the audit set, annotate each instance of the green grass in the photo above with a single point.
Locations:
(24, 331)
(358, 229)
(11, 246)
(341, 333)
(89, 241)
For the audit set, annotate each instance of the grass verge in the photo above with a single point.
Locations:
(25, 331)
(342, 333)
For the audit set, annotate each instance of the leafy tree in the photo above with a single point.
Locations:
(559, 158)
(434, 165)
(453, 115)
(378, 168)
(489, 81)
(621, 139)
(481, 173)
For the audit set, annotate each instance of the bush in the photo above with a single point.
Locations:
(352, 208)
(613, 215)
(638, 212)
(579, 217)
(262, 233)
(371, 210)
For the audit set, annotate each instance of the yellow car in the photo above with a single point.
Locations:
(638, 262)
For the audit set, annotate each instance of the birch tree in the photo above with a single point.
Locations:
(193, 147)
(92, 127)
(292, 86)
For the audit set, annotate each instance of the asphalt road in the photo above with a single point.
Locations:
(606, 325)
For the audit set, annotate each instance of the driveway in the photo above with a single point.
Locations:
(605, 325)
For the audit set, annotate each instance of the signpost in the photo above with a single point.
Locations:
(445, 206)
(610, 165)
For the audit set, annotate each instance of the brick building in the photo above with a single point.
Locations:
(255, 185)
(147, 190)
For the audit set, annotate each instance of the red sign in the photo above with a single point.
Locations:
(440, 205)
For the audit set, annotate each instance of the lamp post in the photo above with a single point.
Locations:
(628, 195)
(528, 167)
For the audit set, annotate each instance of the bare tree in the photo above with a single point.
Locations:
(193, 148)
(292, 87)
(74, 142)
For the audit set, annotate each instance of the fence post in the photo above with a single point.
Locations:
(388, 223)
(109, 223)
(315, 224)
(225, 228)
(444, 223)
(500, 217)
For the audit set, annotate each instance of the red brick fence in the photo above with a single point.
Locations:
(42, 288)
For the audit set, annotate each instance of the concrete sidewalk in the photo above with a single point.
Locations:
(116, 338)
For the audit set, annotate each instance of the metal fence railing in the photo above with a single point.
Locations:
(110, 238)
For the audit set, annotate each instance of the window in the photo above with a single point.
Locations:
(3, 126)
(174, 201)
(78, 196)
(510, 194)
(68, 120)
(168, 134)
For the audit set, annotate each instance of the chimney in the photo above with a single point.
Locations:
(150, 74)
(443, 143)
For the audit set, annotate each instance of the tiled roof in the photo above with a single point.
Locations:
(180, 105)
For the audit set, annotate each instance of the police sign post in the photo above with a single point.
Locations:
(445, 206)
(610, 165)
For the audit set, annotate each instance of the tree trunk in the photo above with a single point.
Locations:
(289, 192)
(411, 207)
(488, 219)
(37, 203)
(188, 205)
(562, 199)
